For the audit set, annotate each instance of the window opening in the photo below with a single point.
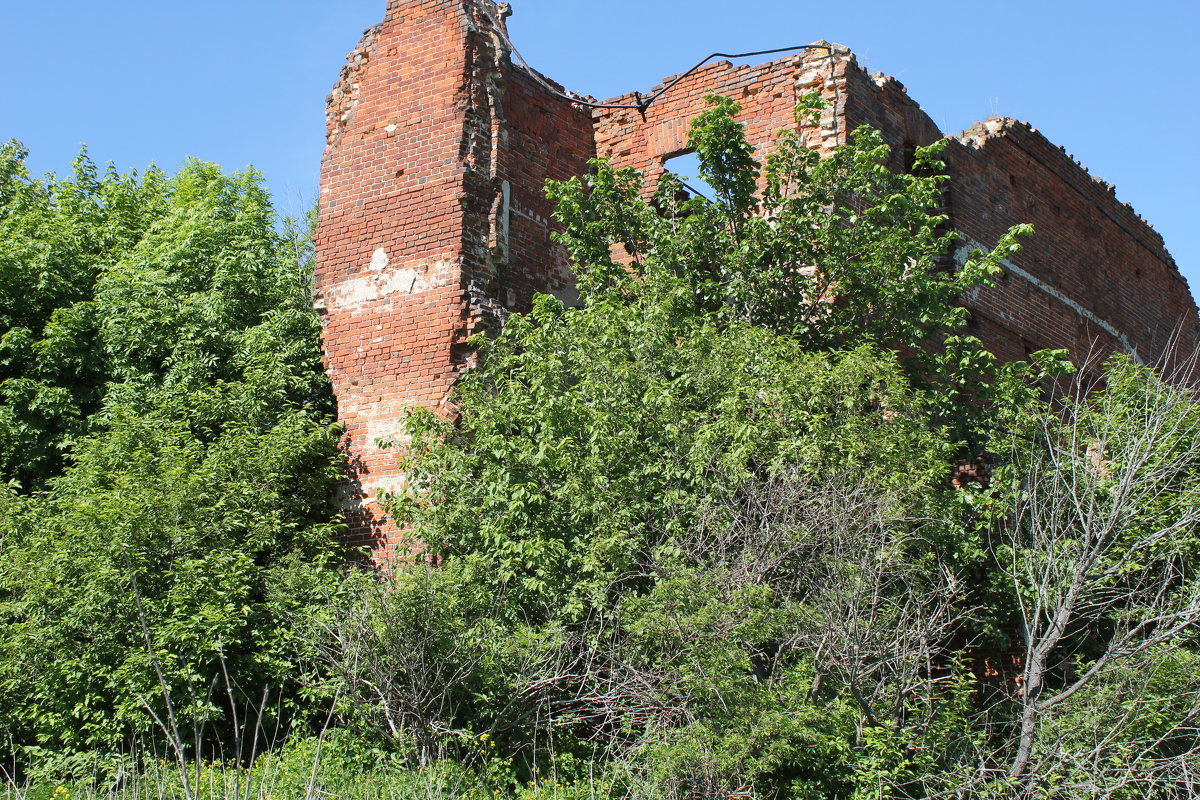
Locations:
(686, 165)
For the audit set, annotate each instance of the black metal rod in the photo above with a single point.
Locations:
(646, 103)
(641, 105)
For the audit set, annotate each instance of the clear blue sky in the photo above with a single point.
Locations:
(244, 82)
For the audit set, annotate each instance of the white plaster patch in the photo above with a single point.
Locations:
(388, 431)
(379, 283)
(379, 260)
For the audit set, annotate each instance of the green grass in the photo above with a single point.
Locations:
(301, 773)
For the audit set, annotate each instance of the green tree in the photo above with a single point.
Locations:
(57, 236)
(828, 250)
(700, 528)
(672, 492)
(1100, 551)
(741, 333)
(169, 428)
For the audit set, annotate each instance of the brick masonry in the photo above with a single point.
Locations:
(434, 225)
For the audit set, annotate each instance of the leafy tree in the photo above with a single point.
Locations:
(722, 346)
(1100, 554)
(168, 426)
(56, 238)
(594, 436)
(700, 528)
(828, 250)
(600, 475)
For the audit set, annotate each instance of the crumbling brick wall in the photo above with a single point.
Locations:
(1095, 278)
(768, 94)
(434, 224)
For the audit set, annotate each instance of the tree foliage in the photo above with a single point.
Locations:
(606, 475)
(167, 434)
(1101, 555)
(828, 250)
(56, 238)
(700, 528)
(696, 537)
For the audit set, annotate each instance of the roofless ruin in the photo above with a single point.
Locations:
(434, 223)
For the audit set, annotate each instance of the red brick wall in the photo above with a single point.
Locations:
(768, 94)
(434, 223)
(1095, 278)
(389, 238)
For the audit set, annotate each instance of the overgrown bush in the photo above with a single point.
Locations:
(696, 531)
(698, 535)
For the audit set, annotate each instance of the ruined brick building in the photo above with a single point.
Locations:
(433, 221)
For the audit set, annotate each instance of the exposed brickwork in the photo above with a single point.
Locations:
(768, 94)
(434, 223)
(1096, 278)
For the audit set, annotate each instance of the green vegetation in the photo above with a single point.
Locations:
(168, 453)
(694, 538)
